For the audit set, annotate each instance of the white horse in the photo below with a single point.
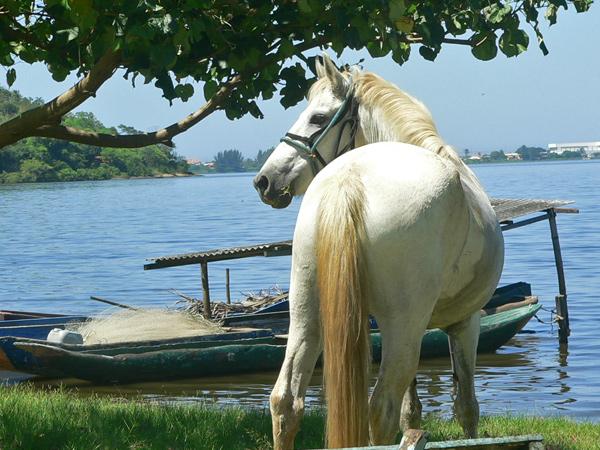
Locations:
(398, 228)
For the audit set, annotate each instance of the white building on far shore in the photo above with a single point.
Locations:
(591, 149)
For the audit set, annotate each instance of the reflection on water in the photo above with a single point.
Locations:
(59, 243)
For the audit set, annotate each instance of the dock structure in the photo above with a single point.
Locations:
(511, 213)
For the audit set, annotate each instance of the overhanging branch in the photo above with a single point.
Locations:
(52, 112)
(163, 136)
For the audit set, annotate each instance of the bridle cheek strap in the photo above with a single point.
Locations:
(308, 145)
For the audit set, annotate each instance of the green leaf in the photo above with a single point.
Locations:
(6, 60)
(513, 42)
(582, 5)
(495, 13)
(397, 9)
(71, 33)
(210, 89)
(405, 24)
(550, 14)
(401, 54)
(304, 6)
(11, 76)
(428, 53)
(485, 46)
(255, 111)
(184, 91)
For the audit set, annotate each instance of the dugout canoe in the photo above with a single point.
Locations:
(34, 325)
(225, 354)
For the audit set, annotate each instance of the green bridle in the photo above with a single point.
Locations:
(347, 114)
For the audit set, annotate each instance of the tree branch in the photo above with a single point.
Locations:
(20, 126)
(163, 136)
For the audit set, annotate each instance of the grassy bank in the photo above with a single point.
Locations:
(32, 419)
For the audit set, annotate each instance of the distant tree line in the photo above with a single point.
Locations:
(228, 161)
(41, 159)
(527, 154)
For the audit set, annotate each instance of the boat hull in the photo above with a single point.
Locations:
(201, 357)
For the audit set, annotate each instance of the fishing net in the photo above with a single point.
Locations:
(144, 325)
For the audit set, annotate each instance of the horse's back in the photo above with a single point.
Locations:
(418, 223)
(403, 184)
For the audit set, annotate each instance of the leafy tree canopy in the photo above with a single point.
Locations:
(239, 50)
(38, 159)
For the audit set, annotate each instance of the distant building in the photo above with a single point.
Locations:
(591, 149)
(513, 156)
(193, 162)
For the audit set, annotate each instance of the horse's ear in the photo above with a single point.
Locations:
(326, 68)
(320, 67)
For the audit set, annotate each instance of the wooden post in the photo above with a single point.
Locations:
(227, 289)
(561, 300)
(205, 289)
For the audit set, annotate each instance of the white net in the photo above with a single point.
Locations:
(144, 325)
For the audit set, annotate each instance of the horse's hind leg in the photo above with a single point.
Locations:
(287, 397)
(464, 337)
(303, 349)
(399, 361)
(410, 417)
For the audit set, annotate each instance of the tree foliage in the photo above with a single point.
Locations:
(39, 159)
(229, 161)
(531, 153)
(238, 50)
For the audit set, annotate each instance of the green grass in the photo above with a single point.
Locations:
(59, 420)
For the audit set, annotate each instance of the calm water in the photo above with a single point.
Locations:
(61, 243)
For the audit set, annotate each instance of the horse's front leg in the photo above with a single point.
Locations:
(303, 349)
(464, 337)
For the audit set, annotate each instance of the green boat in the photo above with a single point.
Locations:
(241, 351)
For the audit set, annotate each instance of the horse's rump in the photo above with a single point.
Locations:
(358, 197)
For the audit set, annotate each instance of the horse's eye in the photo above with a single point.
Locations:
(318, 119)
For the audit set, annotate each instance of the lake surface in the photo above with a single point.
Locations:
(62, 242)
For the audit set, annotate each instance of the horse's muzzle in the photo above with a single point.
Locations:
(269, 195)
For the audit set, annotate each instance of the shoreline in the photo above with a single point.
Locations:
(54, 418)
(120, 177)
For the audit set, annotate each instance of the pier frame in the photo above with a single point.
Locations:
(507, 210)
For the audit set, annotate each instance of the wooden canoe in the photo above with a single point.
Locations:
(33, 325)
(215, 355)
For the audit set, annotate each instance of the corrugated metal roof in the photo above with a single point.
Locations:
(268, 249)
(506, 210)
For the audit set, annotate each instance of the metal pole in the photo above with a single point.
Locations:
(561, 300)
(227, 286)
(205, 289)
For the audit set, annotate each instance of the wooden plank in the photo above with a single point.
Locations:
(414, 440)
(526, 442)
(510, 442)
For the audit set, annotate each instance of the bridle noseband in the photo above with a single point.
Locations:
(347, 114)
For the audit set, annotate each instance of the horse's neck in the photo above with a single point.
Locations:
(417, 129)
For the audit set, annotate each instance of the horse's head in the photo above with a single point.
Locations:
(324, 130)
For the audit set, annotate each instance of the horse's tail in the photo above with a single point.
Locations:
(342, 284)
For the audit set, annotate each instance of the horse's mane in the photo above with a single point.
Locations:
(393, 115)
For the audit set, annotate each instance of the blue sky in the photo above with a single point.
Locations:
(484, 106)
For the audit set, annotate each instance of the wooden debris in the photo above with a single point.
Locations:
(221, 310)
